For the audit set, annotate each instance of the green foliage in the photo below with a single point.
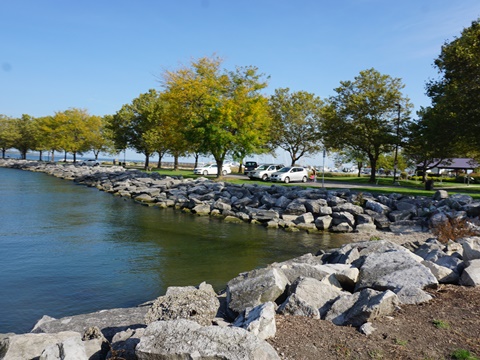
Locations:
(220, 112)
(440, 324)
(8, 134)
(462, 354)
(297, 119)
(455, 94)
(363, 116)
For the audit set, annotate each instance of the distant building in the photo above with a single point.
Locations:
(455, 165)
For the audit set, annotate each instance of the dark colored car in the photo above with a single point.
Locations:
(250, 166)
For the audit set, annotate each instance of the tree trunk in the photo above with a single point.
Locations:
(219, 162)
(175, 162)
(196, 160)
(147, 161)
(74, 157)
(373, 165)
(3, 153)
(160, 157)
(359, 166)
(40, 155)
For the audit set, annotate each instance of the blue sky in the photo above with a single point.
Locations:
(99, 55)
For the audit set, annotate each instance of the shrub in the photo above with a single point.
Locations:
(462, 354)
(453, 229)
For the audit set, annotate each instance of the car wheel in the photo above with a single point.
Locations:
(265, 177)
(205, 172)
(224, 172)
(287, 180)
(304, 179)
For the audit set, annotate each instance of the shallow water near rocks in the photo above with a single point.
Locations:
(67, 249)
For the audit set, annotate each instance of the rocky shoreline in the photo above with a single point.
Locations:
(349, 286)
(292, 208)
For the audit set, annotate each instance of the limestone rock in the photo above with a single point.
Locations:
(393, 270)
(184, 339)
(471, 274)
(361, 307)
(255, 287)
(108, 321)
(259, 320)
(31, 346)
(197, 304)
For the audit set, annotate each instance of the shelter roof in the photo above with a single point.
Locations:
(456, 163)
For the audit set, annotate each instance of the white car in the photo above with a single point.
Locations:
(211, 170)
(264, 171)
(290, 174)
(90, 162)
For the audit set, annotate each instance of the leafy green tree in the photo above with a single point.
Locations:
(8, 134)
(25, 135)
(76, 129)
(428, 142)
(136, 125)
(49, 134)
(218, 111)
(297, 119)
(99, 139)
(455, 95)
(363, 116)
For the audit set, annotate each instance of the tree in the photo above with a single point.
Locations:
(135, 125)
(76, 130)
(218, 111)
(455, 95)
(25, 134)
(428, 142)
(99, 139)
(49, 132)
(297, 119)
(363, 118)
(8, 134)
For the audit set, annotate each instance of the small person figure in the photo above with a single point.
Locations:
(313, 175)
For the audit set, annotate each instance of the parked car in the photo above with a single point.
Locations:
(264, 171)
(250, 166)
(290, 174)
(211, 169)
(90, 162)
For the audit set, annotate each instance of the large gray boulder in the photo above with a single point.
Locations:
(443, 274)
(471, 274)
(471, 248)
(69, 349)
(314, 295)
(197, 304)
(32, 346)
(184, 339)
(108, 321)
(255, 287)
(259, 320)
(394, 270)
(361, 307)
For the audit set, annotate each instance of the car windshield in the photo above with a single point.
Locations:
(262, 167)
(285, 169)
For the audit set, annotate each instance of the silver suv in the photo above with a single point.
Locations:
(264, 171)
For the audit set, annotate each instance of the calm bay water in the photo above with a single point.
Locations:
(67, 249)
